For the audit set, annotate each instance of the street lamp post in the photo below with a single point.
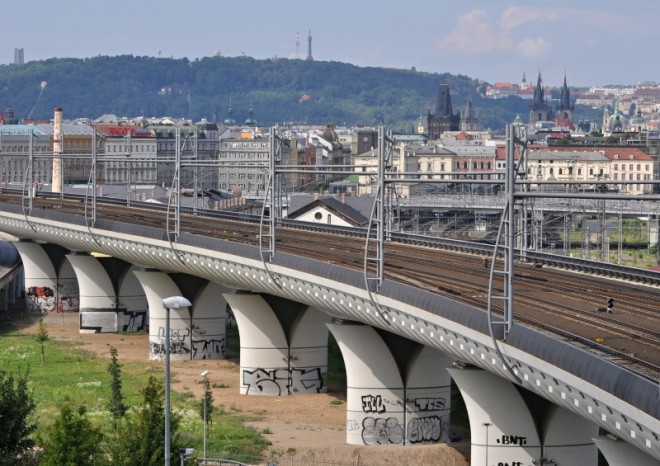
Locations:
(205, 374)
(486, 425)
(173, 302)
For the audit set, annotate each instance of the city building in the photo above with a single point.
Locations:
(243, 161)
(128, 155)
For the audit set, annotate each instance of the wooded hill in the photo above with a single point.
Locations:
(279, 90)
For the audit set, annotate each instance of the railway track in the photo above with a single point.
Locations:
(554, 301)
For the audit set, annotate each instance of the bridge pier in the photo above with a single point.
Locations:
(50, 282)
(4, 298)
(11, 290)
(398, 391)
(197, 332)
(510, 425)
(111, 299)
(284, 345)
(620, 453)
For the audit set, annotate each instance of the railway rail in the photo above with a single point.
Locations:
(562, 302)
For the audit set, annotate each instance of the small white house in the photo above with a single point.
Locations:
(329, 211)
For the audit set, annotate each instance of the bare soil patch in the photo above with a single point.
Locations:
(304, 428)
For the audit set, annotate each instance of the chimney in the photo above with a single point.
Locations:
(57, 151)
(317, 196)
(343, 198)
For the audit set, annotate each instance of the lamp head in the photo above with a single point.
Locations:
(205, 373)
(176, 302)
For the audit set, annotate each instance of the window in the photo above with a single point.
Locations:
(616, 166)
(329, 219)
(318, 216)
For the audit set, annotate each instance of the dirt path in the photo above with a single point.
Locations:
(309, 425)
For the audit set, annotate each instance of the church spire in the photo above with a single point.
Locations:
(538, 107)
(565, 107)
(538, 99)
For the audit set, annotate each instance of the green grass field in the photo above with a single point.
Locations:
(73, 375)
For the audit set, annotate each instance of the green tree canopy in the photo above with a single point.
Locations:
(16, 427)
(140, 438)
(73, 440)
(116, 404)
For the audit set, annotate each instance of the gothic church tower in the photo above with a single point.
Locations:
(538, 108)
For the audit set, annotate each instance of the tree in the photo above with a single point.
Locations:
(116, 403)
(42, 337)
(140, 437)
(16, 407)
(206, 407)
(73, 440)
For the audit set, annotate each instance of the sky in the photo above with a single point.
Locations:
(591, 42)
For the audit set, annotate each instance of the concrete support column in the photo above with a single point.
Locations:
(620, 453)
(568, 438)
(428, 397)
(501, 427)
(98, 298)
(132, 310)
(11, 290)
(283, 345)
(41, 290)
(4, 293)
(158, 286)
(19, 285)
(509, 426)
(208, 322)
(197, 332)
(384, 407)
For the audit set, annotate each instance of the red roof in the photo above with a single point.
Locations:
(505, 86)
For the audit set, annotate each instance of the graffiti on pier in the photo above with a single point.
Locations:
(178, 343)
(381, 431)
(68, 304)
(230, 320)
(426, 404)
(376, 404)
(40, 299)
(208, 349)
(69, 296)
(373, 404)
(352, 425)
(306, 380)
(134, 321)
(283, 381)
(428, 429)
(512, 440)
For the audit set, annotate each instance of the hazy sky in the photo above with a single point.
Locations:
(593, 42)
